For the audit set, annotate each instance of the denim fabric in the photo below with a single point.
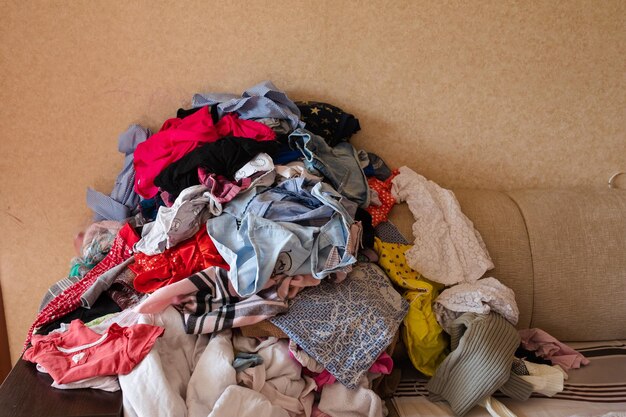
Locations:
(123, 201)
(340, 164)
(261, 101)
(261, 247)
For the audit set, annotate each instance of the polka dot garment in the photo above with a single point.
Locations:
(383, 188)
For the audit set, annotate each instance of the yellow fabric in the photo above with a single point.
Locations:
(424, 339)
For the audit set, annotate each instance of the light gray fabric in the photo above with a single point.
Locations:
(479, 364)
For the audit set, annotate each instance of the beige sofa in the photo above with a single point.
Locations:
(563, 252)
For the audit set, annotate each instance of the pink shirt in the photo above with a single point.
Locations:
(81, 353)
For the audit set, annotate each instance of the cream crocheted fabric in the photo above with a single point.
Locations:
(483, 296)
(447, 248)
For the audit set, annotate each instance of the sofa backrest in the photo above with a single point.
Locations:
(563, 252)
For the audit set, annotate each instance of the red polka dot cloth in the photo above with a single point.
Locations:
(383, 188)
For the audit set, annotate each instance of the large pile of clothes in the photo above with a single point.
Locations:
(244, 264)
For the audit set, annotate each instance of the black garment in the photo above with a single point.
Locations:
(530, 356)
(223, 157)
(103, 306)
(368, 230)
(182, 113)
(328, 121)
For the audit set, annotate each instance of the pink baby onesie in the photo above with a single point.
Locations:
(81, 353)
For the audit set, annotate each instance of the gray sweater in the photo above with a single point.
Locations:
(479, 364)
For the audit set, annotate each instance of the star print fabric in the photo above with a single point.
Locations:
(328, 121)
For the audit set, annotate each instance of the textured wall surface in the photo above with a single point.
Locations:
(492, 94)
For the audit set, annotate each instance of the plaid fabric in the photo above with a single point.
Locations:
(216, 306)
(209, 303)
(69, 300)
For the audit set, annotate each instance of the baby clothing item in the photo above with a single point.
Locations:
(257, 102)
(209, 303)
(82, 353)
(383, 189)
(547, 347)
(226, 157)
(482, 296)
(328, 121)
(123, 201)
(462, 379)
(177, 263)
(104, 383)
(178, 137)
(339, 164)
(296, 228)
(423, 337)
(346, 326)
(179, 222)
(447, 248)
(70, 299)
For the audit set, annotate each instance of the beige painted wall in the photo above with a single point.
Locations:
(492, 94)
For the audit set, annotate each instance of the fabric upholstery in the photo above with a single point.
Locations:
(578, 244)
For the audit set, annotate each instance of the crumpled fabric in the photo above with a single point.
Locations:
(209, 304)
(178, 137)
(380, 211)
(192, 255)
(312, 368)
(279, 378)
(548, 347)
(69, 299)
(423, 337)
(260, 101)
(123, 200)
(225, 156)
(179, 222)
(345, 340)
(266, 240)
(338, 164)
(447, 248)
(485, 295)
(328, 121)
